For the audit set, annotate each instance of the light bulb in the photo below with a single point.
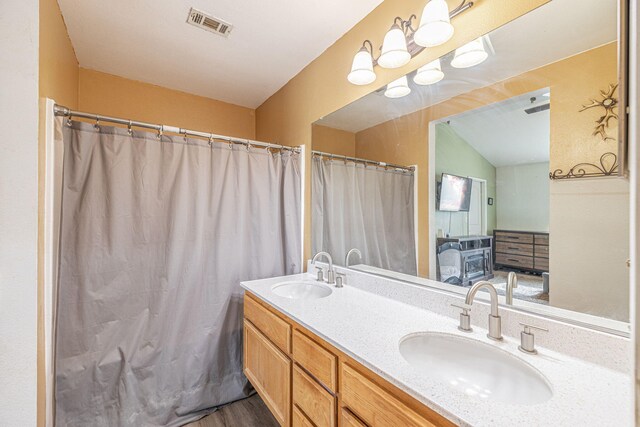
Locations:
(362, 68)
(435, 25)
(398, 88)
(470, 54)
(429, 74)
(394, 49)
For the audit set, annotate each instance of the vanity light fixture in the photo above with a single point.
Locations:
(394, 48)
(398, 88)
(429, 74)
(470, 55)
(435, 25)
(362, 67)
(402, 42)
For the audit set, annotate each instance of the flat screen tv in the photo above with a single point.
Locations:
(455, 193)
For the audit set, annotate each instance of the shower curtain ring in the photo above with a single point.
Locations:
(185, 136)
(97, 125)
(211, 140)
(160, 133)
(69, 120)
(129, 129)
(248, 146)
(230, 144)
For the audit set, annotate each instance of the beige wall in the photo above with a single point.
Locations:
(116, 96)
(322, 87)
(58, 63)
(405, 140)
(334, 141)
(589, 246)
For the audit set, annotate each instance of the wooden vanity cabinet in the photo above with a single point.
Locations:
(306, 382)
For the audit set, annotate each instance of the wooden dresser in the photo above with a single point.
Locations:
(522, 250)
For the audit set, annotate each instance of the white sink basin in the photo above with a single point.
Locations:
(475, 368)
(301, 290)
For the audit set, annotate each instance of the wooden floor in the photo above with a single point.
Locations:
(251, 412)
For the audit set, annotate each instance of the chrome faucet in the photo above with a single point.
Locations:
(352, 251)
(331, 274)
(495, 327)
(512, 283)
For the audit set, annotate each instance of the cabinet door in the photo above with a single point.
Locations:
(269, 370)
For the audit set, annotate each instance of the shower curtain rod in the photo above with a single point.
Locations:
(60, 110)
(365, 161)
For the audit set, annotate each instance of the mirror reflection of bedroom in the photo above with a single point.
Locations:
(492, 195)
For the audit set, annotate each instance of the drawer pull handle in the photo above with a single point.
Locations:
(513, 249)
(513, 260)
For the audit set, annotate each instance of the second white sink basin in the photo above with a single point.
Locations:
(301, 290)
(475, 368)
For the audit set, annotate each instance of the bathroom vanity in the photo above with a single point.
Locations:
(305, 381)
(357, 356)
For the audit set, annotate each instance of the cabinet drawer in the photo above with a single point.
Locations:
(373, 405)
(319, 362)
(273, 327)
(317, 403)
(505, 236)
(514, 248)
(541, 239)
(347, 419)
(514, 260)
(269, 370)
(542, 251)
(541, 263)
(300, 419)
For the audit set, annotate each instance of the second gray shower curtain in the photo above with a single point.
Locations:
(155, 238)
(368, 208)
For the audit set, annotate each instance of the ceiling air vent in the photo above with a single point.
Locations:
(209, 23)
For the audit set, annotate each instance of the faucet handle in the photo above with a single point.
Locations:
(340, 279)
(527, 339)
(320, 276)
(465, 319)
(466, 308)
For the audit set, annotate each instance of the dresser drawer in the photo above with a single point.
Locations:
(542, 251)
(514, 260)
(541, 264)
(514, 248)
(319, 362)
(300, 419)
(541, 239)
(347, 419)
(313, 400)
(373, 405)
(272, 326)
(506, 236)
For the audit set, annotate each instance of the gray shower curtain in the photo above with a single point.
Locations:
(368, 208)
(155, 238)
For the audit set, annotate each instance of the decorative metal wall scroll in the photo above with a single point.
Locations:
(608, 167)
(608, 102)
(608, 164)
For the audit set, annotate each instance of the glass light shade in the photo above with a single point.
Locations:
(394, 49)
(429, 74)
(362, 68)
(398, 88)
(470, 54)
(435, 25)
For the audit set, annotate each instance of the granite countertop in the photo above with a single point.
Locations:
(369, 327)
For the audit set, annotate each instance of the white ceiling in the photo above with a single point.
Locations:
(504, 134)
(150, 41)
(557, 30)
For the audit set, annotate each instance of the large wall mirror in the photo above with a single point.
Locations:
(501, 156)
